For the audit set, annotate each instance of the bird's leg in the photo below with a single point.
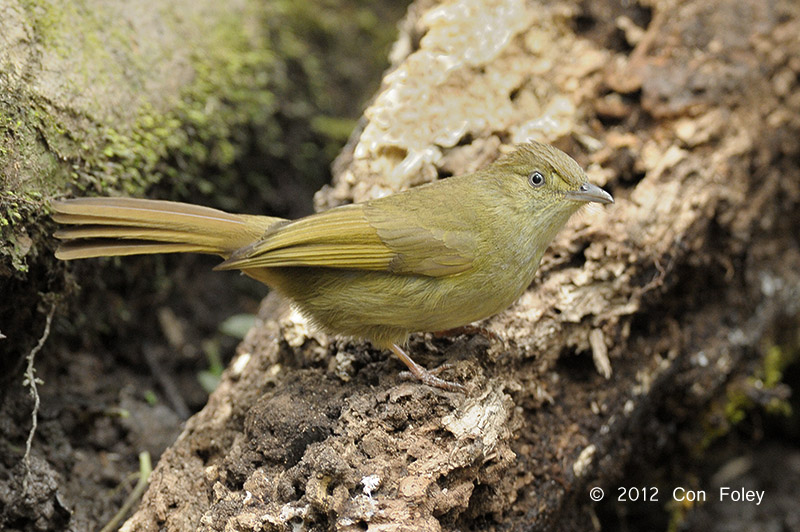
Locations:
(423, 375)
(469, 329)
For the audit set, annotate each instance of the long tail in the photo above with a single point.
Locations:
(125, 226)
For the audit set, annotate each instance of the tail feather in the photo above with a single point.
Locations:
(116, 248)
(127, 232)
(127, 226)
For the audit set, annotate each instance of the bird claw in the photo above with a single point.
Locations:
(424, 376)
(429, 378)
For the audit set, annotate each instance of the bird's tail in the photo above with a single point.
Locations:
(102, 227)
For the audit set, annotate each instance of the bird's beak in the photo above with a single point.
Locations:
(589, 192)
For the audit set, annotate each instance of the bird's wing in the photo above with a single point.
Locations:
(360, 237)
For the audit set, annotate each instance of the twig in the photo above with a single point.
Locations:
(31, 381)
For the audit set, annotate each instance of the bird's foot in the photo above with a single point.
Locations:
(423, 375)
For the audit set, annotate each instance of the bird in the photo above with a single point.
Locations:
(435, 257)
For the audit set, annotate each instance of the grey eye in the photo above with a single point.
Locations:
(536, 179)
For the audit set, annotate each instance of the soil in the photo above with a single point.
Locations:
(126, 390)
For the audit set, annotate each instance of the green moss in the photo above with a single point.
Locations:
(274, 94)
(763, 390)
(15, 208)
(776, 360)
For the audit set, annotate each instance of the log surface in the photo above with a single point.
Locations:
(689, 113)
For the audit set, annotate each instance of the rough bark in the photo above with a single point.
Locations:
(688, 113)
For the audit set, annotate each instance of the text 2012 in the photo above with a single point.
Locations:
(636, 494)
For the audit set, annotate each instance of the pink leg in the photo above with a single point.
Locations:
(423, 375)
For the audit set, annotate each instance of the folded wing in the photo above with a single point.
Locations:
(360, 237)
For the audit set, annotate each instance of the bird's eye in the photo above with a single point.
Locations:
(536, 179)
